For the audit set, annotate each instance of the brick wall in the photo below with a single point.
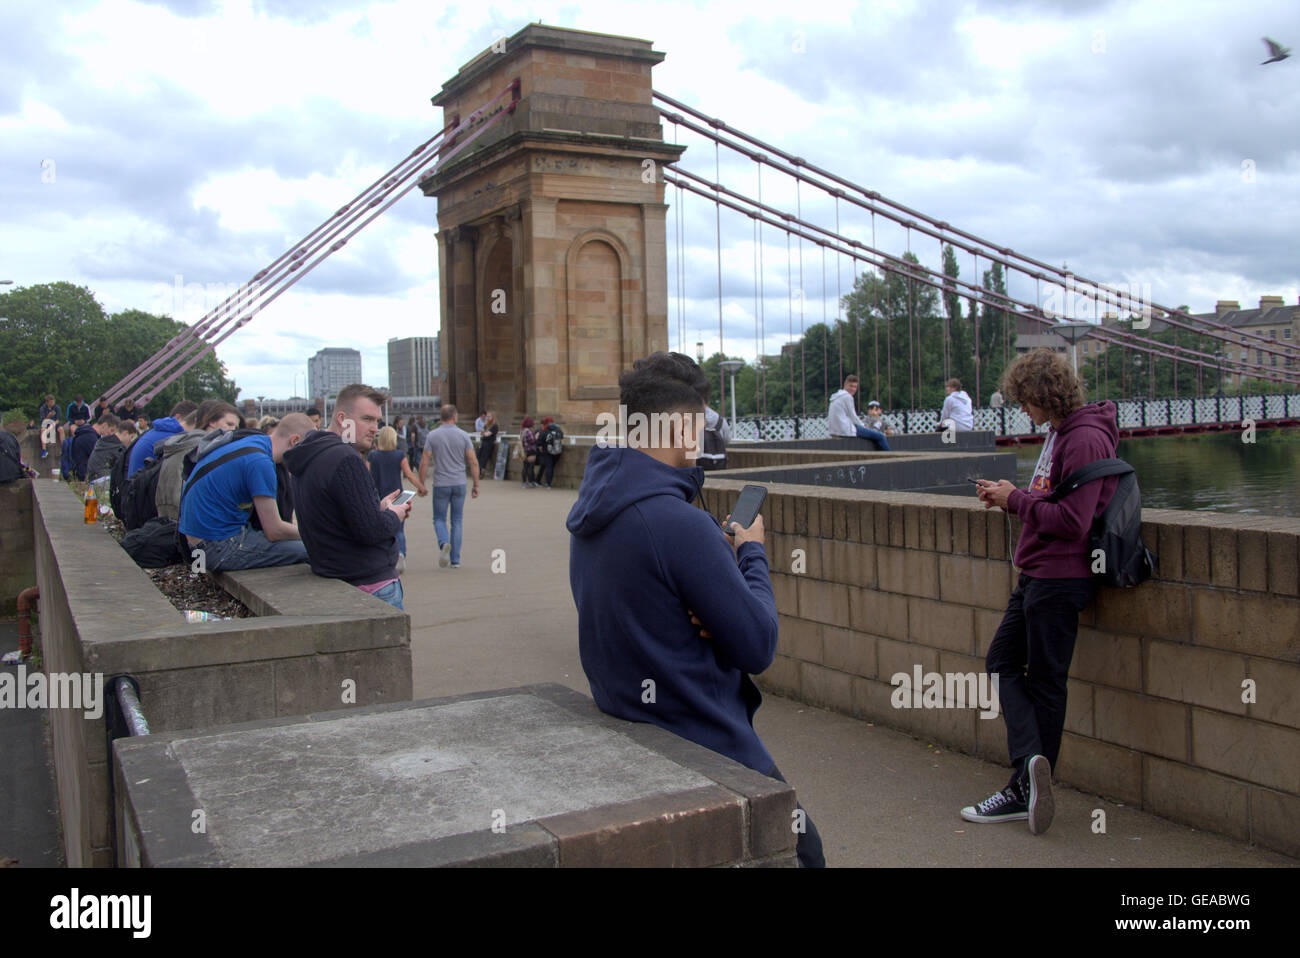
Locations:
(1155, 716)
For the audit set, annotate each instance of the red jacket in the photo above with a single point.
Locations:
(1054, 538)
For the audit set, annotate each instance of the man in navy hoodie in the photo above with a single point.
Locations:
(1031, 650)
(350, 533)
(662, 593)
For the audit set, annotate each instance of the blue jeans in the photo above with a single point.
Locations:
(391, 593)
(877, 437)
(444, 496)
(251, 549)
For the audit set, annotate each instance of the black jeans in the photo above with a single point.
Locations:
(546, 467)
(1030, 653)
(809, 844)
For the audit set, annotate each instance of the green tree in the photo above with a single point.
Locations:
(56, 338)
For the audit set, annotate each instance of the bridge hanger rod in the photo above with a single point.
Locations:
(208, 324)
(287, 269)
(910, 269)
(986, 297)
(1008, 254)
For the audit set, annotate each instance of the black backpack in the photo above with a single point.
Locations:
(138, 503)
(156, 544)
(1117, 532)
(552, 441)
(117, 479)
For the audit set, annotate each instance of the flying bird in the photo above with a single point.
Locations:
(1277, 52)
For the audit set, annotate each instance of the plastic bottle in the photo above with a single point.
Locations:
(92, 505)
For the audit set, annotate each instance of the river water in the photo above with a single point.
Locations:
(1216, 472)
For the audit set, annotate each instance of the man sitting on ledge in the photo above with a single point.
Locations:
(843, 420)
(215, 501)
(672, 615)
(351, 534)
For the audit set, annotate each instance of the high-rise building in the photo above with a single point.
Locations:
(412, 365)
(331, 369)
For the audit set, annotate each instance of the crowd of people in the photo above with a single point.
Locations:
(662, 591)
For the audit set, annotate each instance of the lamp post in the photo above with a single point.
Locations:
(732, 366)
(1072, 333)
(260, 400)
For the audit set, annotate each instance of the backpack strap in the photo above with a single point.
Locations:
(1085, 474)
(200, 473)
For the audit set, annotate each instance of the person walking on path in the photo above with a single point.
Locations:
(450, 451)
(487, 445)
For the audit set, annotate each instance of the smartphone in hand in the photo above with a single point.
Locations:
(747, 507)
(403, 498)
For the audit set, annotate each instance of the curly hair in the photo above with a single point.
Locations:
(1044, 379)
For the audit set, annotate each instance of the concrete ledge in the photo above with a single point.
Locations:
(424, 783)
(318, 644)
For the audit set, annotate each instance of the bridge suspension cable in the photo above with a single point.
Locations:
(1071, 283)
(916, 272)
(267, 285)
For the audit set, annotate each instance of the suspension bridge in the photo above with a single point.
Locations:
(906, 323)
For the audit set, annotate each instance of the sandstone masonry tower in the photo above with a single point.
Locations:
(551, 240)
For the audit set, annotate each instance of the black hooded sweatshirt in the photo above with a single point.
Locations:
(347, 535)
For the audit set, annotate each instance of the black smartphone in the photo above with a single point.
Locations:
(974, 480)
(746, 507)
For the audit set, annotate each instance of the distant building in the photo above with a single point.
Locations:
(331, 369)
(412, 365)
(1272, 320)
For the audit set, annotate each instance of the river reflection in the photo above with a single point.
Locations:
(1215, 473)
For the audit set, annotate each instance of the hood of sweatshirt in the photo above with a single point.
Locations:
(299, 459)
(167, 425)
(1093, 415)
(617, 477)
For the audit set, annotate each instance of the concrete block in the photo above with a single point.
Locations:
(896, 524)
(1276, 685)
(912, 528)
(996, 534)
(943, 625)
(881, 613)
(908, 572)
(800, 639)
(1196, 676)
(826, 602)
(1260, 625)
(848, 651)
(1193, 796)
(977, 582)
(1093, 766)
(961, 531)
(1079, 708)
(1252, 560)
(926, 528)
(826, 688)
(1196, 554)
(1108, 658)
(785, 589)
(986, 626)
(1284, 563)
(1246, 749)
(782, 677)
(871, 701)
(1169, 552)
(943, 530)
(1140, 722)
(895, 657)
(1275, 821)
(1154, 610)
(1223, 557)
(991, 741)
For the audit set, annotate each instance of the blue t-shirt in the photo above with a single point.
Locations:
(220, 505)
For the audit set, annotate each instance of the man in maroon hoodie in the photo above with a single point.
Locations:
(1031, 650)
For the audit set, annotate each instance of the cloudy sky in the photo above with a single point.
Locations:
(151, 146)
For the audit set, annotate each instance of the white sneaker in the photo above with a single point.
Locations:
(444, 555)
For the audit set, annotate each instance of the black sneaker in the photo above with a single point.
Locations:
(1003, 806)
(1041, 805)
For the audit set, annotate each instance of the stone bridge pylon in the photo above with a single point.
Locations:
(551, 230)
